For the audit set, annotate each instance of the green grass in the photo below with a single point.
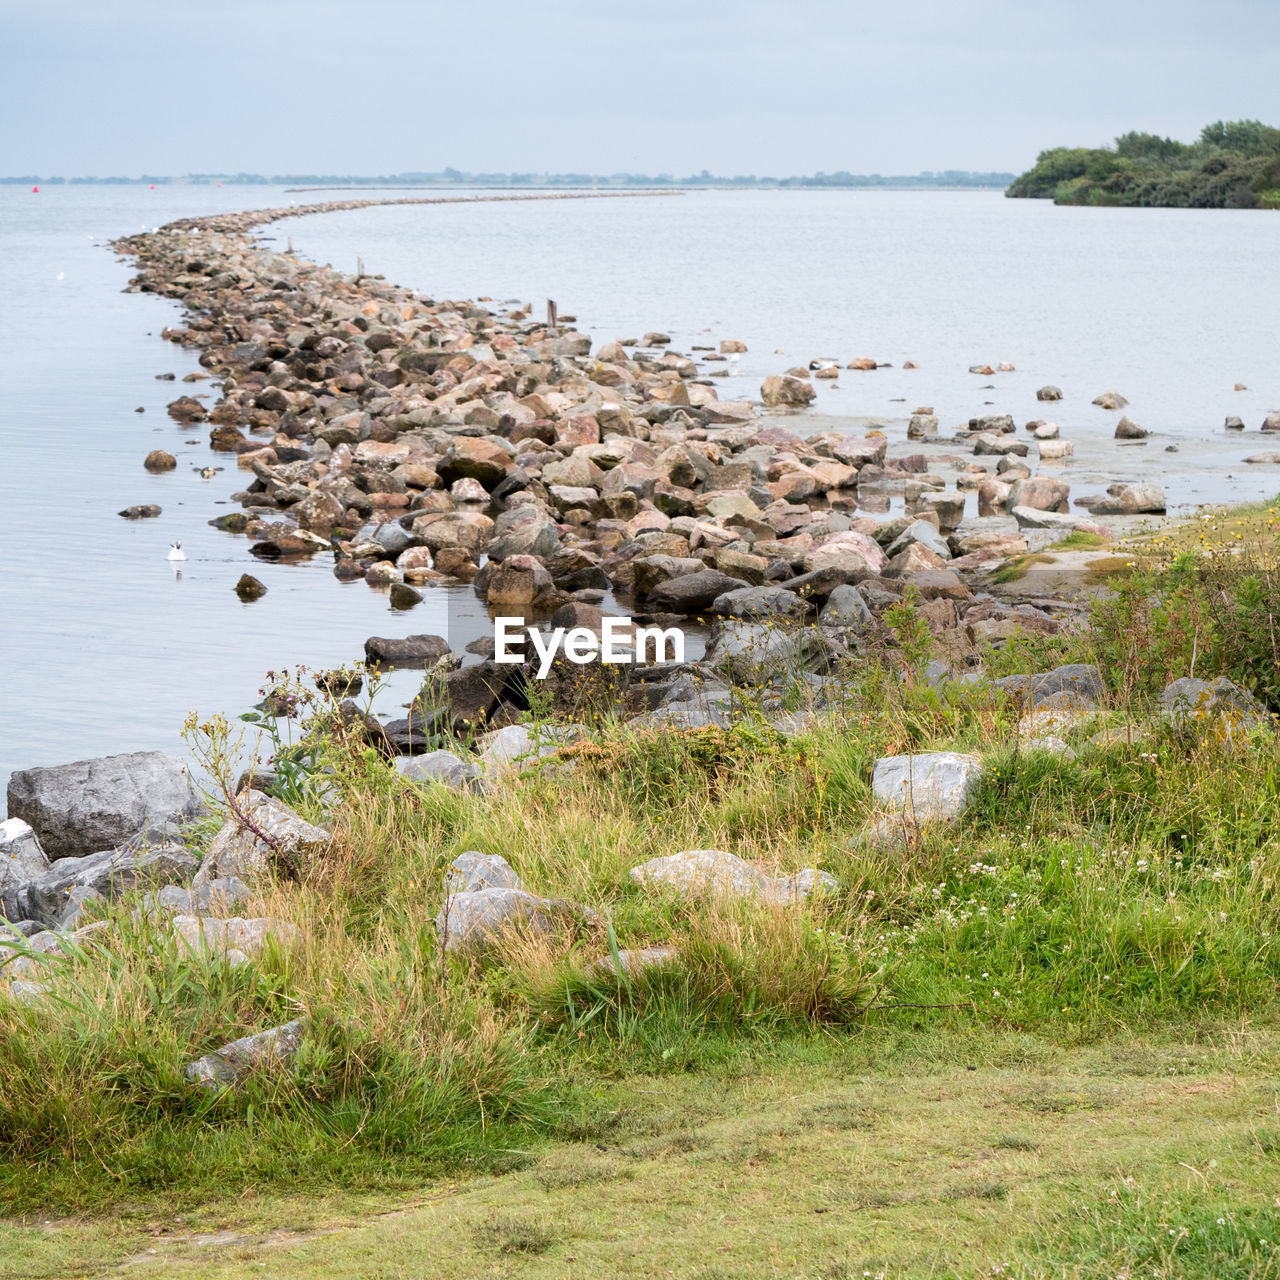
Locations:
(883, 1150)
(1016, 569)
(1019, 1043)
(1079, 540)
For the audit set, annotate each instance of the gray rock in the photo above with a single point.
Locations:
(933, 785)
(23, 991)
(845, 607)
(699, 871)
(1216, 707)
(473, 870)
(405, 651)
(923, 532)
(1081, 678)
(757, 603)
(240, 852)
(693, 591)
(1133, 499)
(470, 923)
(80, 897)
(445, 768)
(211, 934)
(753, 653)
(524, 530)
(214, 897)
(702, 712)
(630, 961)
(94, 804)
(226, 1067)
(19, 929)
(125, 870)
(515, 746)
(21, 857)
(1031, 518)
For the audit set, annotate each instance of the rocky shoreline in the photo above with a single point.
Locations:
(424, 441)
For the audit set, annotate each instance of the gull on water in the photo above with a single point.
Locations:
(176, 552)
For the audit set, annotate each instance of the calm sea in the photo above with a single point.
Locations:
(106, 647)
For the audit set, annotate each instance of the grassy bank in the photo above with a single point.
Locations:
(1022, 1039)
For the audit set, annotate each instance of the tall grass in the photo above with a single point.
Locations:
(1132, 886)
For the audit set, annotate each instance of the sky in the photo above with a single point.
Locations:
(732, 86)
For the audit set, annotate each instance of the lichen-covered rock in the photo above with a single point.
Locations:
(226, 1067)
(241, 851)
(1215, 708)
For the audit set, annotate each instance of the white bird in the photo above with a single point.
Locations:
(176, 552)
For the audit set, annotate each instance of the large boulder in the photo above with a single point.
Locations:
(1133, 499)
(933, 785)
(474, 870)
(472, 922)
(1031, 518)
(1040, 493)
(845, 607)
(1110, 400)
(445, 768)
(524, 530)
(95, 804)
(270, 836)
(702, 871)
(757, 603)
(51, 894)
(210, 934)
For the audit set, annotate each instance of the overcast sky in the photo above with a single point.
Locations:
(734, 86)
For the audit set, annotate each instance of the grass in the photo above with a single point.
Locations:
(751, 1168)
(1015, 569)
(1036, 1042)
(1080, 540)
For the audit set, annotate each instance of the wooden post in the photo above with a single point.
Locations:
(551, 314)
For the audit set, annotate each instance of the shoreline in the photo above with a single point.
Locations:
(758, 503)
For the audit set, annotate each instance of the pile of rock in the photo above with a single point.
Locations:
(426, 440)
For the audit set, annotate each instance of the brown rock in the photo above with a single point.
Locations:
(159, 460)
